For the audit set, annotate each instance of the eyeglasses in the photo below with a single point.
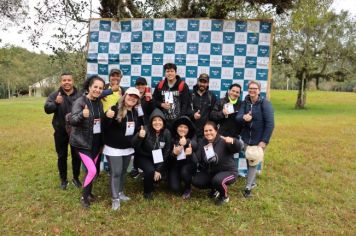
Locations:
(252, 88)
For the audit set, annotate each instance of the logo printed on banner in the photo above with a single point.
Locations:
(203, 60)
(229, 26)
(193, 25)
(240, 50)
(239, 73)
(182, 25)
(125, 37)
(191, 72)
(251, 62)
(180, 59)
(205, 25)
(263, 51)
(227, 73)
(136, 47)
(225, 84)
(136, 36)
(170, 24)
(147, 24)
(181, 48)
(252, 50)
(252, 38)
(216, 37)
(262, 62)
(157, 59)
(216, 49)
(205, 37)
(215, 72)
(204, 48)
(239, 61)
(265, 27)
(169, 36)
(125, 26)
(114, 57)
(125, 48)
(93, 36)
(94, 25)
(103, 48)
(229, 37)
(115, 26)
(181, 36)
(103, 69)
(136, 59)
(158, 36)
(253, 26)
(169, 48)
(126, 69)
(147, 47)
(265, 39)
(115, 37)
(104, 36)
(217, 25)
(227, 61)
(192, 48)
(105, 25)
(261, 74)
(193, 37)
(241, 26)
(136, 25)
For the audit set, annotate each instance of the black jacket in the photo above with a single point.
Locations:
(227, 126)
(181, 99)
(224, 155)
(147, 107)
(144, 146)
(261, 126)
(191, 140)
(60, 110)
(114, 131)
(82, 128)
(205, 104)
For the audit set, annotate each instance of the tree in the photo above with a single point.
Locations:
(317, 44)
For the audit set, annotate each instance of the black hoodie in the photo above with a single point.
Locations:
(181, 99)
(151, 141)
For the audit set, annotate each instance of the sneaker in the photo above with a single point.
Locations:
(92, 197)
(85, 202)
(64, 184)
(115, 204)
(213, 193)
(134, 173)
(148, 196)
(187, 193)
(222, 200)
(76, 183)
(123, 197)
(247, 193)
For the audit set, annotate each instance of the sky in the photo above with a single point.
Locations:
(12, 36)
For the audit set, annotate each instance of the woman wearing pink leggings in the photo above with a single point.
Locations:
(87, 114)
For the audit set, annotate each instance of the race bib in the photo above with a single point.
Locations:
(96, 126)
(157, 156)
(168, 97)
(140, 110)
(181, 155)
(209, 151)
(130, 128)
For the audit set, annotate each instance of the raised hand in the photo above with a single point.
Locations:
(228, 140)
(59, 98)
(197, 115)
(189, 150)
(182, 141)
(86, 112)
(247, 117)
(142, 132)
(110, 113)
(177, 149)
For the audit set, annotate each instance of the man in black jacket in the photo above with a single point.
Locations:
(60, 104)
(171, 95)
(203, 102)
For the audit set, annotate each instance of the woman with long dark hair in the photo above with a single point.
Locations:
(86, 116)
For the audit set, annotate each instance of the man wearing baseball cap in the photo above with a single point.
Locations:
(203, 102)
(113, 91)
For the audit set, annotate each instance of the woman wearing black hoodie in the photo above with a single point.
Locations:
(182, 162)
(216, 160)
(153, 143)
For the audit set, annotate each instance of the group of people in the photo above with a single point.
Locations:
(188, 138)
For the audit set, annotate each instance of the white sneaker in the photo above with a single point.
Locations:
(115, 204)
(123, 197)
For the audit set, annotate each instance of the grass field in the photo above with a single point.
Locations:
(308, 185)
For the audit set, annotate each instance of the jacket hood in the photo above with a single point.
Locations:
(186, 121)
(157, 113)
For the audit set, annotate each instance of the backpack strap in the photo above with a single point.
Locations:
(181, 86)
(160, 85)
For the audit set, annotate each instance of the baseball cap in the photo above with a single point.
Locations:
(204, 76)
(133, 91)
(115, 71)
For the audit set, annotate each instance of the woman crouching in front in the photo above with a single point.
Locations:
(216, 161)
(87, 114)
(153, 145)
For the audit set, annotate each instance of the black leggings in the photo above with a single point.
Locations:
(61, 140)
(180, 172)
(217, 181)
(147, 165)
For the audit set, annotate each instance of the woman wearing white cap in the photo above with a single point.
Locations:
(120, 125)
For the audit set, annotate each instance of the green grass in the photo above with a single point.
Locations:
(308, 185)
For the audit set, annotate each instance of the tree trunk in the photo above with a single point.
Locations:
(317, 83)
(302, 93)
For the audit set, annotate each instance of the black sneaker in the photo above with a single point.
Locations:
(77, 183)
(134, 173)
(222, 200)
(92, 197)
(64, 184)
(247, 193)
(85, 202)
(213, 193)
(148, 196)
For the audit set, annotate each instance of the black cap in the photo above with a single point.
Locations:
(115, 71)
(141, 80)
(204, 76)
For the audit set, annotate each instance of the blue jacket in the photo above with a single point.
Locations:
(261, 126)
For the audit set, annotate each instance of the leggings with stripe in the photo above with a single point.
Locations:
(90, 159)
(217, 181)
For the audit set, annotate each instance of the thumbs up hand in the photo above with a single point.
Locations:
(197, 115)
(142, 132)
(182, 141)
(110, 113)
(86, 112)
(189, 150)
(177, 149)
(247, 117)
(59, 98)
